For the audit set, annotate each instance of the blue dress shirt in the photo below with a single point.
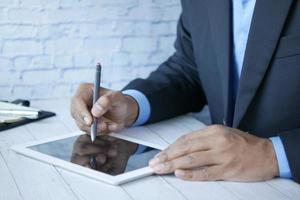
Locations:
(242, 16)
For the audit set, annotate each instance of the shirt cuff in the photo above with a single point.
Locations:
(144, 106)
(283, 164)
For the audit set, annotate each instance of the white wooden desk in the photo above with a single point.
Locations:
(24, 178)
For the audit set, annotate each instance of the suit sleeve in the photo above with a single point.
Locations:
(174, 88)
(291, 143)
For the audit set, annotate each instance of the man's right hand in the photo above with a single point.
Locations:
(113, 109)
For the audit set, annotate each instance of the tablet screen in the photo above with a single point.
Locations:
(106, 154)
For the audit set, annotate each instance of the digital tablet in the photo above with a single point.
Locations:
(113, 158)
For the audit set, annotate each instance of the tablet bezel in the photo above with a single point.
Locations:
(114, 180)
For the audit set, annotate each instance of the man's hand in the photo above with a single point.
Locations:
(218, 153)
(113, 109)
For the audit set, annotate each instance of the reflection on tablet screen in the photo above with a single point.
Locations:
(107, 154)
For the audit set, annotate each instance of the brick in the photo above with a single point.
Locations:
(8, 3)
(8, 78)
(22, 47)
(63, 61)
(18, 31)
(42, 90)
(120, 59)
(171, 13)
(23, 91)
(101, 45)
(139, 44)
(158, 57)
(63, 46)
(25, 15)
(166, 44)
(138, 59)
(62, 90)
(41, 62)
(5, 93)
(145, 13)
(5, 63)
(78, 75)
(84, 60)
(40, 76)
(22, 62)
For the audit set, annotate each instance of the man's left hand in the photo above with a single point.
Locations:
(218, 153)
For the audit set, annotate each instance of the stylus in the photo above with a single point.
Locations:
(95, 98)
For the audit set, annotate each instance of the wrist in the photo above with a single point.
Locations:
(274, 168)
(133, 110)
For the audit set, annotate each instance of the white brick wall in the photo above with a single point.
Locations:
(48, 47)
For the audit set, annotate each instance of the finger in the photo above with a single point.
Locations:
(102, 105)
(80, 111)
(106, 101)
(115, 127)
(193, 160)
(80, 160)
(82, 126)
(181, 148)
(212, 173)
(102, 126)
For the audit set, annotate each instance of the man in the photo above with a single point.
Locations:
(242, 58)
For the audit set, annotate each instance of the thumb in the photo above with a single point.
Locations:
(102, 105)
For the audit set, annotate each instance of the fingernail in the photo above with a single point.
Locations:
(112, 127)
(154, 161)
(86, 120)
(157, 155)
(179, 173)
(158, 168)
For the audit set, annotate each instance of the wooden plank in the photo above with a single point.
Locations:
(256, 190)
(147, 135)
(169, 130)
(8, 187)
(189, 122)
(288, 187)
(86, 188)
(35, 180)
(153, 187)
(200, 190)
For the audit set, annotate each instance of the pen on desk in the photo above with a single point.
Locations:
(95, 98)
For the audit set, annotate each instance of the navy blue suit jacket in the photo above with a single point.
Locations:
(268, 100)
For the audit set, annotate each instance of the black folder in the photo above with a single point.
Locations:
(42, 115)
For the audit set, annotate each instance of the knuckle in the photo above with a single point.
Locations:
(221, 139)
(169, 166)
(186, 148)
(190, 159)
(216, 128)
(202, 174)
(182, 139)
(104, 101)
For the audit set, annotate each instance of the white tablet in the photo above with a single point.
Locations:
(113, 158)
